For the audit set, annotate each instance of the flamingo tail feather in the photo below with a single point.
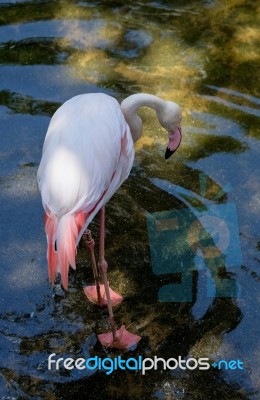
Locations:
(61, 249)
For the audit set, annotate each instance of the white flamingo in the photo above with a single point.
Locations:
(87, 154)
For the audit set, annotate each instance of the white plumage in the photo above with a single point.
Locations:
(88, 150)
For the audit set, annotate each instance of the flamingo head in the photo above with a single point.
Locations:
(174, 141)
(170, 118)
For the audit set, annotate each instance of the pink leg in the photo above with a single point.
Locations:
(102, 265)
(120, 338)
(97, 294)
(89, 242)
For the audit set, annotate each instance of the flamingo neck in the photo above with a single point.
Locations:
(130, 107)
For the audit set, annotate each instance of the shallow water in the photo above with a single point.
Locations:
(203, 55)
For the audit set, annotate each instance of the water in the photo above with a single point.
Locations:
(204, 56)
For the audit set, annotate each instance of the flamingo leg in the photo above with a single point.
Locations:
(121, 338)
(98, 293)
(89, 242)
(102, 265)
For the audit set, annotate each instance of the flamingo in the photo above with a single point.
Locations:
(87, 154)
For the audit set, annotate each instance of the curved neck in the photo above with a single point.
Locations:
(130, 107)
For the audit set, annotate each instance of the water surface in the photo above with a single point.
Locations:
(203, 55)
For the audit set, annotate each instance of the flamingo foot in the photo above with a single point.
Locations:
(123, 339)
(92, 295)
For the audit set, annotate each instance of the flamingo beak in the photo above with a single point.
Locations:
(174, 142)
(168, 153)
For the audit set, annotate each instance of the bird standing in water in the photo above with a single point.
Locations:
(87, 154)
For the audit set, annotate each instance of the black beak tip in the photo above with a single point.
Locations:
(168, 153)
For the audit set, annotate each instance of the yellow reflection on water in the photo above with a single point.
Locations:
(207, 45)
(249, 39)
